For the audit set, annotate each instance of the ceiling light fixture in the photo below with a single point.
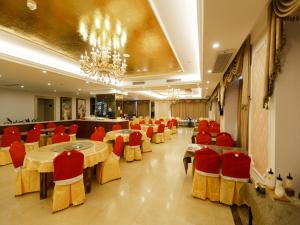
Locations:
(49, 84)
(31, 4)
(216, 45)
(208, 82)
(54, 90)
(22, 86)
(209, 71)
(44, 71)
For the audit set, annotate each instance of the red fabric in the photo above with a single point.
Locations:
(214, 128)
(12, 129)
(149, 132)
(212, 122)
(174, 122)
(205, 129)
(67, 165)
(170, 124)
(73, 129)
(157, 122)
(236, 165)
(119, 145)
(203, 138)
(101, 130)
(39, 126)
(17, 153)
(116, 127)
(207, 160)
(135, 138)
(136, 127)
(51, 125)
(224, 139)
(59, 129)
(97, 136)
(161, 120)
(203, 123)
(9, 138)
(142, 122)
(161, 128)
(33, 136)
(150, 122)
(58, 138)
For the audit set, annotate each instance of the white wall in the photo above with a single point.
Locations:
(162, 109)
(18, 105)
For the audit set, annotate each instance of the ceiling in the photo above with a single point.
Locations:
(186, 30)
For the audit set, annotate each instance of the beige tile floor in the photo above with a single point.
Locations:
(154, 191)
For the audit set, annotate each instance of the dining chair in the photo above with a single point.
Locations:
(58, 138)
(206, 181)
(110, 169)
(7, 139)
(68, 179)
(97, 136)
(214, 127)
(235, 174)
(100, 130)
(11, 129)
(157, 122)
(203, 138)
(73, 131)
(32, 140)
(59, 129)
(224, 139)
(51, 125)
(146, 145)
(203, 123)
(116, 127)
(39, 126)
(133, 148)
(26, 180)
(174, 127)
(158, 137)
(150, 121)
(136, 127)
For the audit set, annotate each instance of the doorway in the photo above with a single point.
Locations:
(45, 109)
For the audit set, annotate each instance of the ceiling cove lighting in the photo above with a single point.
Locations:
(216, 45)
(152, 94)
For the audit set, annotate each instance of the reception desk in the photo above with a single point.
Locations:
(85, 127)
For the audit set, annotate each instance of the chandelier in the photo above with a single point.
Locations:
(106, 62)
(173, 94)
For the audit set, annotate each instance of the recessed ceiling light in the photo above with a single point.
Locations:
(206, 88)
(54, 90)
(138, 70)
(79, 89)
(87, 82)
(49, 84)
(208, 82)
(216, 45)
(22, 86)
(44, 71)
(209, 71)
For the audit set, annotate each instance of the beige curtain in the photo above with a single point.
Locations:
(279, 11)
(189, 108)
(143, 108)
(129, 107)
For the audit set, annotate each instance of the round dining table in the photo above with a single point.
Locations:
(145, 127)
(112, 135)
(41, 160)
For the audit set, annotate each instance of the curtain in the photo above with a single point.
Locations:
(279, 11)
(189, 108)
(129, 107)
(143, 108)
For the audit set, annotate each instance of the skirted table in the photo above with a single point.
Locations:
(145, 127)
(112, 135)
(42, 160)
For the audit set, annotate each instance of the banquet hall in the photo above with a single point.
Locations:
(148, 112)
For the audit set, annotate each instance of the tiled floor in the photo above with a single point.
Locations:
(154, 191)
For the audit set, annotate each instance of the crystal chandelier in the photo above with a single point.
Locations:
(173, 94)
(105, 63)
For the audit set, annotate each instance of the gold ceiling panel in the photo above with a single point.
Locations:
(54, 24)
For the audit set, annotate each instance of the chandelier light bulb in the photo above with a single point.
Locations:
(118, 28)
(97, 22)
(107, 24)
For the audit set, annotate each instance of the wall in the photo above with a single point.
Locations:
(19, 105)
(162, 109)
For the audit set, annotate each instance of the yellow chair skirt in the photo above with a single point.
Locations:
(146, 145)
(132, 153)
(72, 137)
(66, 195)
(158, 138)
(174, 130)
(230, 192)
(4, 156)
(27, 181)
(108, 170)
(206, 187)
(168, 134)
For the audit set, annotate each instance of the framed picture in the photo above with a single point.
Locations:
(65, 108)
(80, 108)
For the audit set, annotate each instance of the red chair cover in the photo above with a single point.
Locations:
(150, 122)
(135, 138)
(203, 138)
(59, 129)
(67, 165)
(101, 130)
(39, 127)
(161, 128)
(33, 136)
(51, 125)
(9, 138)
(170, 124)
(174, 122)
(203, 123)
(142, 122)
(236, 165)
(205, 129)
(58, 138)
(116, 127)
(224, 139)
(119, 145)
(161, 120)
(212, 122)
(17, 153)
(214, 128)
(157, 122)
(73, 129)
(12, 129)
(97, 136)
(136, 127)
(149, 132)
(207, 161)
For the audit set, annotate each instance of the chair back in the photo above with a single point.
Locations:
(68, 165)
(135, 138)
(157, 122)
(207, 161)
(170, 124)
(39, 127)
(174, 122)
(17, 153)
(12, 129)
(203, 123)
(33, 136)
(161, 128)
(9, 138)
(101, 130)
(150, 122)
(58, 138)
(97, 136)
(73, 129)
(214, 128)
(236, 165)
(51, 125)
(203, 128)
(116, 127)
(118, 146)
(203, 138)
(59, 129)
(149, 132)
(224, 139)
(161, 120)
(142, 122)
(137, 127)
